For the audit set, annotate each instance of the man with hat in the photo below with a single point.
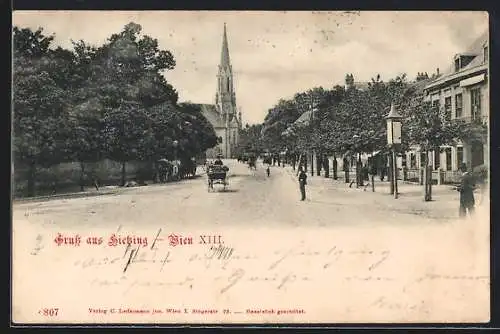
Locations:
(466, 189)
(218, 162)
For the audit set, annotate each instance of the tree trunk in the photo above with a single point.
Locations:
(326, 167)
(335, 177)
(55, 181)
(305, 162)
(82, 176)
(346, 167)
(319, 163)
(361, 176)
(312, 163)
(124, 174)
(427, 179)
(31, 179)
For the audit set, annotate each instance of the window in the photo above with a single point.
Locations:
(460, 156)
(437, 162)
(435, 105)
(447, 108)
(422, 159)
(458, 105)
(448, 158)
(413, 161)
(475, 103)
(228, 84)
(485, 54)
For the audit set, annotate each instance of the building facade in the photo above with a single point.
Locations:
(223, 115)
(461, 92)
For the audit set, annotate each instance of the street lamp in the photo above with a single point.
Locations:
(394, 141)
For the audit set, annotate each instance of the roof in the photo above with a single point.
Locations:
(362, 85)
(304, 119)
(420, 85)
(210, 112)
(476, 64)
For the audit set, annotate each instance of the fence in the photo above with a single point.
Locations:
(66, 176)
(438, 176)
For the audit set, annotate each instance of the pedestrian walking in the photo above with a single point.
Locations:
(268, 171)
(466, 189)
(302, 183)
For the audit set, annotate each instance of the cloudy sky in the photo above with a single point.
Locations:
(276, 54)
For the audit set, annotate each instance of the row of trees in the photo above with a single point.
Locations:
(91, 103)
(349, 121)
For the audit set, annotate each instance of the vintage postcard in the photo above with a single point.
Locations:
(204, 167)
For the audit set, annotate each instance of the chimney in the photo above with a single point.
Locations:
(437, 71)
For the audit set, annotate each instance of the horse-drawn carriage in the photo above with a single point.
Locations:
(217, 174)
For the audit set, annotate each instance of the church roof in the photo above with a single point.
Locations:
(210, 112)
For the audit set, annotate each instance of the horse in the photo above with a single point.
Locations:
(188, 168)
(164, 171)
(252, 164)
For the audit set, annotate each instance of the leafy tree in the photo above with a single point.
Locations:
(199, 133)
(40, 104)
(278, 119)
(126, 134)
(250, 139)
(129, 83)
(29, 43)
(426, 127)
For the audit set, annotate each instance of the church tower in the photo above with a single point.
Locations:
(225, 99)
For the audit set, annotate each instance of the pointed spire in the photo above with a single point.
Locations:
(224, 58)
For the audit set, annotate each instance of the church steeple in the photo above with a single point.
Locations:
(225, 99)
(225, 88)
(224, 57)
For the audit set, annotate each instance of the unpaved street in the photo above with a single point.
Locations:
(344, 255)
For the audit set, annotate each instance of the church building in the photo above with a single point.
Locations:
(223, 115)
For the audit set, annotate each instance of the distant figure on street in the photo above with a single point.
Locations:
(268, 171)
(302, 183)
(466, 189)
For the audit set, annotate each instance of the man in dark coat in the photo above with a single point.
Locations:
(466, 189)
(219, 162)
(302, 183)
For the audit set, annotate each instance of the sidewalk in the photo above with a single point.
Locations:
(90, 192)
(444, 204)
(109, 190)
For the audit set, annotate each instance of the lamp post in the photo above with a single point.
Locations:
(394, 141)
